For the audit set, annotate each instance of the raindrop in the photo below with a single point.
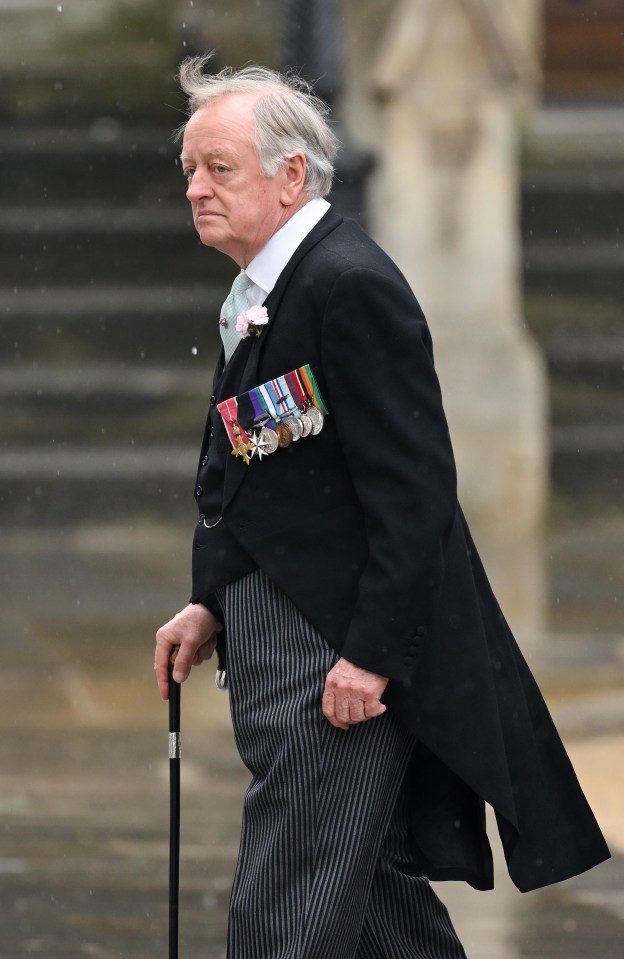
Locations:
(59, 7)
(194, 350)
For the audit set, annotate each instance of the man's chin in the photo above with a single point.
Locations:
(210, 236)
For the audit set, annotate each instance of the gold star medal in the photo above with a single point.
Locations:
(244, 448)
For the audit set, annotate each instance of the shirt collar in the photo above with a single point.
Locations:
(267, 265)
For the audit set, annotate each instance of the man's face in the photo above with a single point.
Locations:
(236, 208)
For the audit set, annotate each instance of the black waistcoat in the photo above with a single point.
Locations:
(225, 560)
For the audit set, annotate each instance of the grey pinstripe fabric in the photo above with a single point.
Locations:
(321, 872)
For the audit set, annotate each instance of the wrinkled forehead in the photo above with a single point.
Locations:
(229, 118)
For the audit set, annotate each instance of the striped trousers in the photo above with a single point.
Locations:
(322, 871)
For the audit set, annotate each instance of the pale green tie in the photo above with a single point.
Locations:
(236, 303)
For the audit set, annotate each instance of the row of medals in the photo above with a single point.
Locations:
(265, 440)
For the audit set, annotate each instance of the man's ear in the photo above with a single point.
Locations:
(294, 172)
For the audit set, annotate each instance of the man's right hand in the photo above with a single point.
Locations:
(194, 631)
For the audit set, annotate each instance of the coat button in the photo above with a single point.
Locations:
(199, 490)
(205, 460)
(420, 631)
(211, 432)
(213, 400)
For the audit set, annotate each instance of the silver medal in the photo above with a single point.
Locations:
(317, 419)
(267, 438)
(294, 426)
(306, 424)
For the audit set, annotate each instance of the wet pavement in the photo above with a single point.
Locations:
(84, 798)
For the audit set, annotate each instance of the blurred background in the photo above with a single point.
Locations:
(483, 148)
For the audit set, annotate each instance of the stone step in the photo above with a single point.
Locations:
(586, 381)
(134, 164)
(571, 205)
(587, 465)
(568, 137)
(154, 322)
(57, 485)
(585, 268)
(593, 439)
(562, 314)
(592, 403)
(123, 83)
(103, 406)
(55, 245)
(576, 351)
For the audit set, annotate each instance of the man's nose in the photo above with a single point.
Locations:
(199, 186)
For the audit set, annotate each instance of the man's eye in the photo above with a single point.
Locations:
(188, 175)
(220, 168)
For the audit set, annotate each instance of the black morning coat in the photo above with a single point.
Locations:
(360, 527)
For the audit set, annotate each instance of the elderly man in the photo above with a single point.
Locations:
(377, 695)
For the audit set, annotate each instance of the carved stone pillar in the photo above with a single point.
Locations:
(451, 76)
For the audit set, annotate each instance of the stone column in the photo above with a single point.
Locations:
(452, 77)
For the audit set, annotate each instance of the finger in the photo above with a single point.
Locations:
(161, 665)
(182, 666)
(329, 704)
(163, 683)
(357, 711)
(343, 713)
(371, 710)
(329, 710)
(205, 651)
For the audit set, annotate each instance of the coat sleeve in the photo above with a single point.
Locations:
(384, 394)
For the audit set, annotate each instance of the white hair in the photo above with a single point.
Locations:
(288, 117)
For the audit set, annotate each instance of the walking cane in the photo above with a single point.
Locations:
(174, 808)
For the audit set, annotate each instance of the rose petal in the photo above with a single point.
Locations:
(242, 324)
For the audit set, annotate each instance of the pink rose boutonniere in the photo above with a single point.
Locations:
(252, 321)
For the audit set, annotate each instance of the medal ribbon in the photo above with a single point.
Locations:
(307, 377)
(276, 398)
(229, 412)
(258, 406)
(290, 406)
(296, 390)
(268, 402)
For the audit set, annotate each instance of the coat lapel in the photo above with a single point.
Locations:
(236, 471)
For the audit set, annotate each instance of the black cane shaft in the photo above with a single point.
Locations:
(174, 856)
(174, 810)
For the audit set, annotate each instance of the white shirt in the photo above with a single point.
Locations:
(267, 265)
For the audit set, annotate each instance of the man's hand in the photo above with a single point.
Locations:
(352, 695)
(194, 630)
